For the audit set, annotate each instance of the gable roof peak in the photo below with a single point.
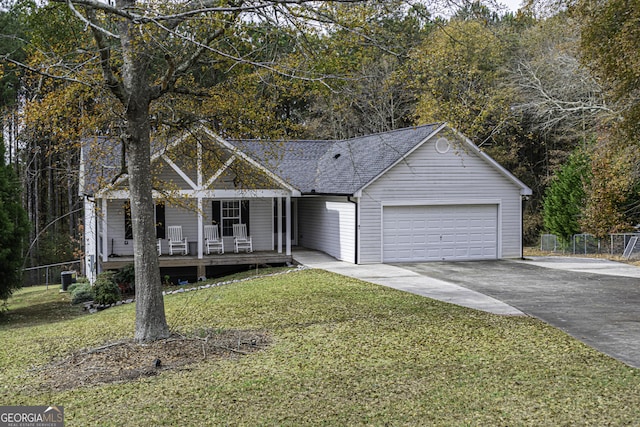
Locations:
(342, 166)
(394, 131)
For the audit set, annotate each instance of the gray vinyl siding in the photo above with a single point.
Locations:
(260, 226)
(116, 243)
(327, 224)
(165, 173)
(187, 218)
(428, 177)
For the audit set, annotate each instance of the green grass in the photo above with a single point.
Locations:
(344, 352)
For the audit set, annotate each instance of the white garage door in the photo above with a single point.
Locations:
(440, 233)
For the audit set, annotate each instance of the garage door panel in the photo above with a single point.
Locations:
(404, 253)
(462, 252)
(481, 234)
(435, 233)
(434, 224)
(433, 239)
(420, 239)
(432, 253)
(420, 224)
(448, 252)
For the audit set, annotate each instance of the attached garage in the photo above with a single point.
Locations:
(440, 233)
(424, 193)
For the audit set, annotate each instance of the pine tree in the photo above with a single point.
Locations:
(565, 198)
(14, 229)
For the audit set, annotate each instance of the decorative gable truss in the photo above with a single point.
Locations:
(215, 169)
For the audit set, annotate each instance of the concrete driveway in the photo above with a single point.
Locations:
(596, 301)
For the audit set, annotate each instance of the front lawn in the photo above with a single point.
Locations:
(341, 352)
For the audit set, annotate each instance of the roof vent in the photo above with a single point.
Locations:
(442, 145)
(336, 156)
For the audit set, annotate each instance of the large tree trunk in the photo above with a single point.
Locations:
(151, 323)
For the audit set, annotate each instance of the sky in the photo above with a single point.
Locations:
(513, 5)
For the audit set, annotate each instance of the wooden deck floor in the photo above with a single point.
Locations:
(259, 257)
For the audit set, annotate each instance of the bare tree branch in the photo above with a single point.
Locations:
(169, 79)
(45, 73)
(557, 91)
(199, 8)
(99, 5)
(202, 47)
(324, 18)
(89, 23)
(105, 57)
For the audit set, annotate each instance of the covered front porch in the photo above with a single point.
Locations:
(202, 181)
(271, 221)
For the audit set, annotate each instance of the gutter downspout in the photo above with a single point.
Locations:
(96, 261)
(89, 198)
(522, 206)
(357, 230)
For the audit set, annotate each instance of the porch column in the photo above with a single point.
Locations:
(288, 224)
(105, 243)
(90, 239)
(200, 229)
(199, 181)
(279, 222)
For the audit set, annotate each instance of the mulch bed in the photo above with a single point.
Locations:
(127, 360)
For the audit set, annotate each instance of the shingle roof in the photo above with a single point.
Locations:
(101, 159)
(337, 167)
(321, 167)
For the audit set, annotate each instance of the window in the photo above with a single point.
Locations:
(128, 223)
(229, 212)
(230, 216)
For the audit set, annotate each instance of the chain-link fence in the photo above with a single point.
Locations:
(586, 244)
(549, 243)
(48, 274)
(619, 244)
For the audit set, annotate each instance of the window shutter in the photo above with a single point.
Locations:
(244, 214)
(160, 221)
(128, 225)
(216, 213)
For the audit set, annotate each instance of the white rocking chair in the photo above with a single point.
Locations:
(159, 246)
(212, 239)
(176, 241)
(240, 238)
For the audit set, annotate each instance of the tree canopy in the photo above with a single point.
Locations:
(610, 42)
(14, 229)
(457, 70)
